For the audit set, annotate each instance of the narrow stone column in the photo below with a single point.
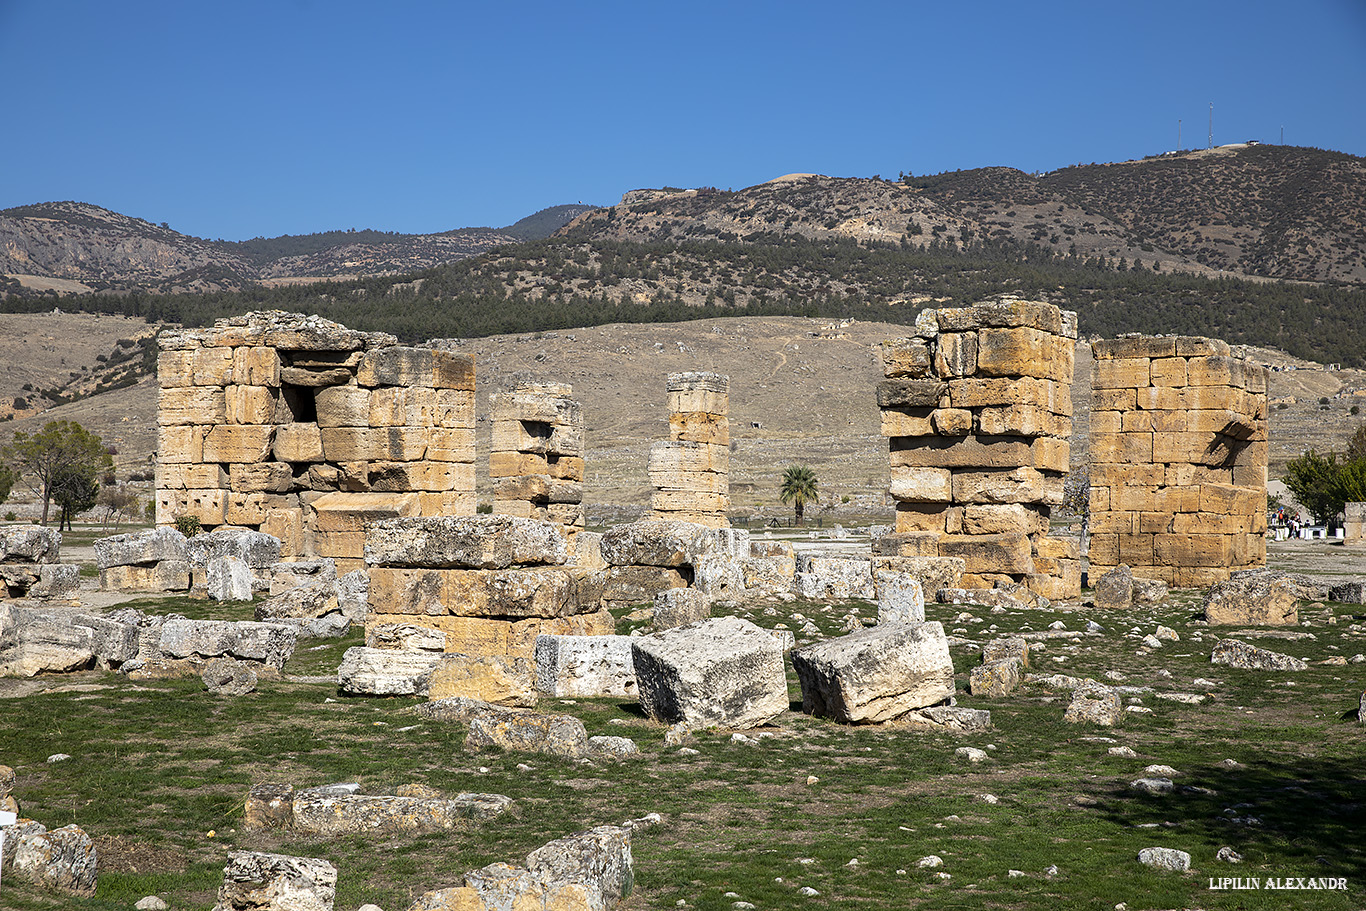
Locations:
(536, 458)
(690, 472)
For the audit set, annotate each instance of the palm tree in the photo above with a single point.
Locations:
(798, 488)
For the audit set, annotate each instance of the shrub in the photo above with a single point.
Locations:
(188, 525)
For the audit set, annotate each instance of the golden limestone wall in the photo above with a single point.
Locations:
(690, 472)
(1178, 460)
(301, 428)
(536, 458)
(977, 410)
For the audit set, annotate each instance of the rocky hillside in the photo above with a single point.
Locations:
(1268, 211)
(74, 247)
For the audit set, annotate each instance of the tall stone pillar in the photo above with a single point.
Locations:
(1178, 460)
(690, 472)
(977, 409)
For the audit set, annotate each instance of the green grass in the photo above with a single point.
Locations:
(158, 765)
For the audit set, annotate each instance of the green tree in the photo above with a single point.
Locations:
(798, 488)
(8, 478)
(74, 490)
(57, 451)
(1317, 483)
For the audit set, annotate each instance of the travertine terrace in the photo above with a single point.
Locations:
(1178, 460)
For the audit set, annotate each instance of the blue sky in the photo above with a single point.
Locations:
(244, 118)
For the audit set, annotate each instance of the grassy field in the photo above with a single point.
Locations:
(160, 771)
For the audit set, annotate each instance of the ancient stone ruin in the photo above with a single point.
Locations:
(690, 472)
(977, 409)
(29, 567)
(1178, 460)
(306, 430)
(536, 457)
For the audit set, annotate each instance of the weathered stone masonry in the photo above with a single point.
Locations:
(1178, 460)
(977, 409)
(690, 472)
(301, 428)
(536, 457)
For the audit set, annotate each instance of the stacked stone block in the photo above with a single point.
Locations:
(977, 408)
(29, 567)
(491, 584)
(303, 429)
(690, 472)
(1178, 460)
(536, 458)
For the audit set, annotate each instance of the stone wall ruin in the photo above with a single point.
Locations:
(536, 456)
(305, 430)
(977, 406)
(1178, 460)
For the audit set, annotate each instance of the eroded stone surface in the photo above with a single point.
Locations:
(876, 674)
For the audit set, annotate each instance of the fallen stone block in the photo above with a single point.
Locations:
(834, 578)
(1349, 592)
(1251, 658)
(724, 671)
(1115, 589)
(585, 665)
(495, 679)
(287, 576)
(946, 718)
(34, 641)
(142, 548)
(529, 732)
(1094, 703)
(658, 543)
(271, 644)
(1306, 588)
(62, 859)
(679, 607)
(229, 677)
(599, 858)
(1149, 591)
(323, 812)
(720, 576)
(875, 674)
(1169, 859)
(304, 602)
(353, 595)
(996, 678)
(269, 806)
(465, 542)
(228, 579)
(258, 550)
(256, 881)
(29, 544)
(612, 747)
(1255, 601)
(405, 636)
(900, 599)
(166, 576)
(933, 573)
(383, 671)
(634, 584)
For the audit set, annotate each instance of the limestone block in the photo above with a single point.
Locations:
(548, 591)
(321, 811)
(566, 468)
(1024, 420)
(716, 484)
(681, 606)
(598, 860)
(1094, 703)
(907, 544)
(532, 732)
(175, 368)
(62, 859)
(254, 548)
(56, 582)
(1237, 654)
(670, 456)
(453, 371)
(229, 579)
(1018, 485)
(1001, 553)
(1121, 373)
(256, 366)
(900, 598)
(1024, 351)
(1055, 397)
(1190, 550)
(166, 576)
(269, 806)
(143, 547)
(436, 477)
(343, 406)
(517, 464)
(657, 543)
(262, 477)
(875, 674)
(1058, 548)
(352, 512)
(699, 427)
(208, 506)
(1213, 371)
(371, 444)
(453, 409)
(536, 437)
(978, 452)
(1115, 589)
(634, 584)
(925, 393)
(996, 678)
(250, 404)
(211, 366)
(705, 401)
(398, 366)
(834, 578)
(298, 443)
(585, 666)
(1010, 647)
(473, 542)
(907, 357)
(406, 637)
(526, 487)
(955, 355)
(253, 881)
(720, 576)
(238, 443)
(182, 476)
(495, 679)
(933, 573)
(906, 422)
(1254, 601)
(669, 501)
(191, 405)
(446, 503)
(994, 519)
(383, 671)
(1169, 372)
(179, 444)
(285, 525)
(546, 404)
(724, 671)
(34, 641)
(1005, 313)
(951, 421)
(398, 406)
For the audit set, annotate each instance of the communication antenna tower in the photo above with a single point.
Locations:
(1178, 134)
(1211, 124)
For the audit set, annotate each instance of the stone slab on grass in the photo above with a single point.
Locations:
(876, 674)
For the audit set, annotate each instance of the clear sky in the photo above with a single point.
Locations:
(238, 118)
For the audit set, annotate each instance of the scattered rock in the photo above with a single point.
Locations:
(1094, 703)
(612, 747)
(532, 732)
(229, 677)
(1115, 589)
(947, 718)
(1253, 600)
(1157, 787)
(255, 881)
(1249, 657)
(970, 754)
(997, 678)
(876, 674)
(1228, 855)
(1165, 859)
